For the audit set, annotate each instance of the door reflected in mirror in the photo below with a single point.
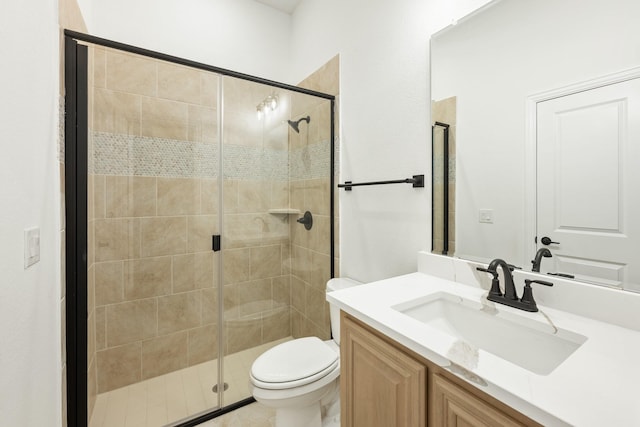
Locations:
(503, 66)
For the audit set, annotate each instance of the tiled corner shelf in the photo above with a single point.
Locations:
(284, 211)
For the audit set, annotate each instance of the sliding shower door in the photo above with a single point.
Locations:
(153, 209)
(276, 165)
(209, 232)
(255, 239)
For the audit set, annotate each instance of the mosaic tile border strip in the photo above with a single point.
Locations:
(246, 162)
(61, 128)
(311, 162)
(130, 155)
(438, 166)
(117, 154)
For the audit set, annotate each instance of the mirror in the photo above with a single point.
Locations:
(490, 74)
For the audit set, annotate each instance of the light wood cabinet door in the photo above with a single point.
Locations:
(456, 407)
(381, 386)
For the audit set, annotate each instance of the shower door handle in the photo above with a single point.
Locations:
(215, 242)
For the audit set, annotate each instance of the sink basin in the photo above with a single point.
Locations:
(534, 345)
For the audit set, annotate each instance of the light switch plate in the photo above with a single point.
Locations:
(486, 216)
(31, 246)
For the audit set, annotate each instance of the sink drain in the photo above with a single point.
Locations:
(215, 387)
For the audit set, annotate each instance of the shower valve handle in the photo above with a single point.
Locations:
(307, 220)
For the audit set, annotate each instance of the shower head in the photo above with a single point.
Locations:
(295, 124)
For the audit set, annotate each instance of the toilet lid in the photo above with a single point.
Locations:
(299, 361)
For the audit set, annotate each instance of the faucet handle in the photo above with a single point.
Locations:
(527, 295)
(527, 282)
(495, 282)
(486, 270)
(568, 276)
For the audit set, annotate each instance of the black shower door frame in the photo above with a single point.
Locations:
(76, 173)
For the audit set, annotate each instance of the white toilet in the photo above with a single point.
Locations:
(299, 378)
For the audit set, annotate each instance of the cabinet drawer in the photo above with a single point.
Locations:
(455, 407)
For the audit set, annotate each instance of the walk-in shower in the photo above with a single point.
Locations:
(185, 259)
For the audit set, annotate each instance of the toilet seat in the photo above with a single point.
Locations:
(294, 363)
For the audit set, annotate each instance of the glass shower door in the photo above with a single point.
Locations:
(177, 155)
(153, 208)
(276, 166)
(255, 242)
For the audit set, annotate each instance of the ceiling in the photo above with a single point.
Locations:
(286, 6)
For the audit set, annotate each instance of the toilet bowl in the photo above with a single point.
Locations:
(300, 378)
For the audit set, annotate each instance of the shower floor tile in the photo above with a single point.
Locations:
(254, 415)
(168, 398)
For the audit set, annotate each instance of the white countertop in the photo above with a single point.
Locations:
(597, 385)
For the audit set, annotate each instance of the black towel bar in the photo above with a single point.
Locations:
(417, 181)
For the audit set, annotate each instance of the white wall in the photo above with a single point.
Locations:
(385, 119)
(385, 134)
(385, 122)
(241, 35)
(492, 63)
(30, 365)
(85, 7)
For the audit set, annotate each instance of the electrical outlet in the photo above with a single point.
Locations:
(486, 216)
(31, 246)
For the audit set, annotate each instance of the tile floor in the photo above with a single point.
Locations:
(168, 398)
(254, 415)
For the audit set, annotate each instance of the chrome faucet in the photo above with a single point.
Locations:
(542, 252)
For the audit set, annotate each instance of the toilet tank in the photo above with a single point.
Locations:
(336, 285)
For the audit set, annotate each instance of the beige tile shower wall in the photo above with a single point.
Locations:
(152, 267)
(256, 243)
(156, 294)
(155, 276)
(310, 249)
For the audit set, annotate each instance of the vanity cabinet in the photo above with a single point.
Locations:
(383, 384)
